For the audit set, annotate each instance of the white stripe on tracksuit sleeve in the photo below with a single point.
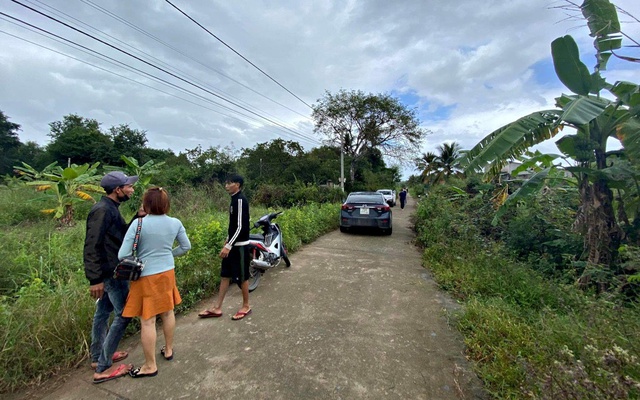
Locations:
(233, 239)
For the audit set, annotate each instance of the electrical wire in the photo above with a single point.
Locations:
(241, 56)
(107, 70)
(147, 74)
(255, 109)
(133, 26)
(153, 66)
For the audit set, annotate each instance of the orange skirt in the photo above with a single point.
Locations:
(152, 295)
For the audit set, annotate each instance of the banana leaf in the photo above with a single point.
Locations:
(511, 141)
(570, 70)
(604, 26)
(535, 161)
(581, 110)
(629, 135)
(528, 188)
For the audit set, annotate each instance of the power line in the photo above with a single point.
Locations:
(176, 70)
(153, 76)
(151, 65)
(133, 26)
(243, 57)
(112, 72)
(106, 58)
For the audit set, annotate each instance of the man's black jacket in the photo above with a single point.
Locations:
(105, 231)
(238, 233)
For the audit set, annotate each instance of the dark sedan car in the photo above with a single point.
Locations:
(365, 210)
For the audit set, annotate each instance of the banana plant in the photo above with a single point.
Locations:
(66, 186)
(594, 119)
(145, 172)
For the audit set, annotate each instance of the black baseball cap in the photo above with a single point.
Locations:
(116, 179)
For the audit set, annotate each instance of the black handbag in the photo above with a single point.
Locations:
(130, 267)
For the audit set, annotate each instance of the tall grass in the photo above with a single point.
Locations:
(45, 308)
(529, 336)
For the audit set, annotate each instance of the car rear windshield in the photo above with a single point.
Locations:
(365, 198)
(384, 191)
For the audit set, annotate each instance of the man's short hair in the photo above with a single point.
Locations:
(235, 178)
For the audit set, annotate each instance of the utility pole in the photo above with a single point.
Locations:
(342, 162)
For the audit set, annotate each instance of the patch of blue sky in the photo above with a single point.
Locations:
(544, 73)
(425, 110)
(465, 50)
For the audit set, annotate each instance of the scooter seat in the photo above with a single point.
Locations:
(256, 236)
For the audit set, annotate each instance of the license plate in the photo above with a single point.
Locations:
(364, 211)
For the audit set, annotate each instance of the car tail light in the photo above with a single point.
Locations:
(347, 207)
(383, 208)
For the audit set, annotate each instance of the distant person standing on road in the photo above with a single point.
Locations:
(235, 252)
(403, 197)
(105, 231)
(155, 293)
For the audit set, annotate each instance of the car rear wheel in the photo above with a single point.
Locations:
(343, 229)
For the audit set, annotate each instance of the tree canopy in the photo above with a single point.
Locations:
(69, 139)
(358, 122)
(276, 162)
(9, 143)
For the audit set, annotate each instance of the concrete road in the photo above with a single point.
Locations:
(355, 317)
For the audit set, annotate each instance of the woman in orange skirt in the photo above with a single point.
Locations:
(155, 293)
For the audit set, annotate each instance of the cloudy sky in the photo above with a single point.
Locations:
(466, 66)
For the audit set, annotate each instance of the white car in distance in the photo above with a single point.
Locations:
(389, 196)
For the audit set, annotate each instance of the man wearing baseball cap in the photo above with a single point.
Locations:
(105, 231)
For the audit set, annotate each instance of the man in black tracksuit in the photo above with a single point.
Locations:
(235, 252)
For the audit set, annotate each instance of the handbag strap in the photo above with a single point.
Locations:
(137, 237)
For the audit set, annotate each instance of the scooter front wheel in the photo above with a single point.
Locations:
(285, 256)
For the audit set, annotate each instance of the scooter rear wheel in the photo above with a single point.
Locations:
(254, 278)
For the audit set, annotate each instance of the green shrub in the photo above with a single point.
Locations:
(529, 336)
(299, 194)
(539, 231)
(20, 205)
(42, 279)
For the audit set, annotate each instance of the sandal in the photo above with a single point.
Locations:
(117, 356)
(209, 314)
(122, 370)
(135, 373)
(162, 351)
(241, 314)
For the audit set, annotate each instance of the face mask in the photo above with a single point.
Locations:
(123, 198)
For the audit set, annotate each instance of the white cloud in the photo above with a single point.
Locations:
(476, 58)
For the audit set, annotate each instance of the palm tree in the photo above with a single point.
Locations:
(437, 168)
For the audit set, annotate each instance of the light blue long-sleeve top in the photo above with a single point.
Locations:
(155, 246)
